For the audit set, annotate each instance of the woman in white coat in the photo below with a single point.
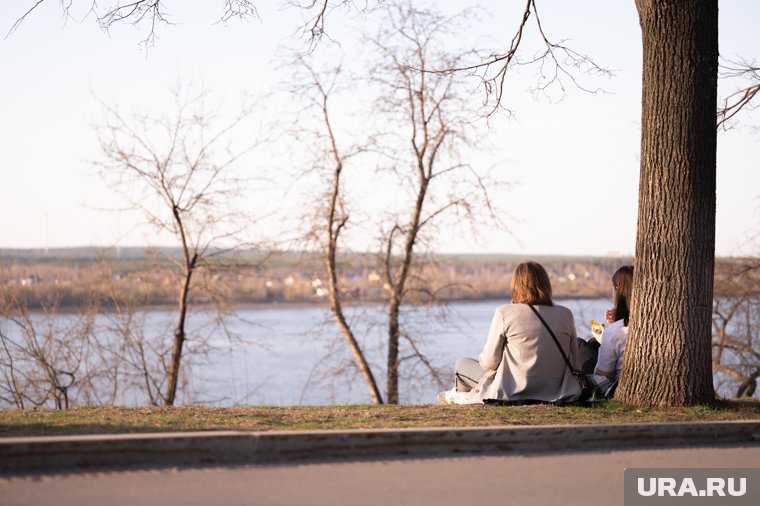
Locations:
(520, 360)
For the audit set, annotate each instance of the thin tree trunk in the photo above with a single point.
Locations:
(179, 334)
(399, 285)
(749, 385)
(336, 307)
(334, 227)
(393, 340)
(668, 355)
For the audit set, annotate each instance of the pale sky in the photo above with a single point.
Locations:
(574, 163)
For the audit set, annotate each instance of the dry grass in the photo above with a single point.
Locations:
(111, 420)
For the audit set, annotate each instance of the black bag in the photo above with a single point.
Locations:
(588, 354)
(588, 387)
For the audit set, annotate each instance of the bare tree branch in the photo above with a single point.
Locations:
(23, 17)
(556, 63)
(314, 29)
(742, 98)
(140, 13)
(239, 9)
(434, 372)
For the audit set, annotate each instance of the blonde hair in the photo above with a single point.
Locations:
(531, 285)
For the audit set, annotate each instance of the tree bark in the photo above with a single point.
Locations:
(668, 354)
(393, 341)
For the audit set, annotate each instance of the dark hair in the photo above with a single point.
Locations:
(530, 285)
(622, 281)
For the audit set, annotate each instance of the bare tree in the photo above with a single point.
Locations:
(178, 172)
(431, 115)
(426, 121)
(334, 212)
(44, 358)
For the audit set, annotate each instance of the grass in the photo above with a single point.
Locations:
(112, 420)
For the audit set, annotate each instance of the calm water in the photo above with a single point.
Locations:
(288, 356)
(280, 355)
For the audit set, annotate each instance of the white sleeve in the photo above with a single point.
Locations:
(607, 359)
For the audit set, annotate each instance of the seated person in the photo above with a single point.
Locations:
(610, 361)
(520, 360)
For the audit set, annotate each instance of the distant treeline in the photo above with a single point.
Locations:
(77, 276)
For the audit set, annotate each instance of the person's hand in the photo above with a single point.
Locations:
(596, 330)
(609, 315)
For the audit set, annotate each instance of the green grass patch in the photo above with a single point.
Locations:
(112, 420)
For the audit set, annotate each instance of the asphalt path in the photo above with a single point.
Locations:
(546, 479)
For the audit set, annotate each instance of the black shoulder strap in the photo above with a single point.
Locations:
(567, 360)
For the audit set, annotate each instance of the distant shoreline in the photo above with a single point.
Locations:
(71, 280)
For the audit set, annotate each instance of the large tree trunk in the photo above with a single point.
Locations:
(667, 360)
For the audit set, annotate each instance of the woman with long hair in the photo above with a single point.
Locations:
(520, 360)
(610, 360)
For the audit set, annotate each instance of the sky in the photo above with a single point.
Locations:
(572, 161)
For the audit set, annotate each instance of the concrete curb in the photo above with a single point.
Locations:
(72, 453)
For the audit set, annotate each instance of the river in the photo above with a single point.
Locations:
(269, 355)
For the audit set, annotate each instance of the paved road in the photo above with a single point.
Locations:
(568, 479)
